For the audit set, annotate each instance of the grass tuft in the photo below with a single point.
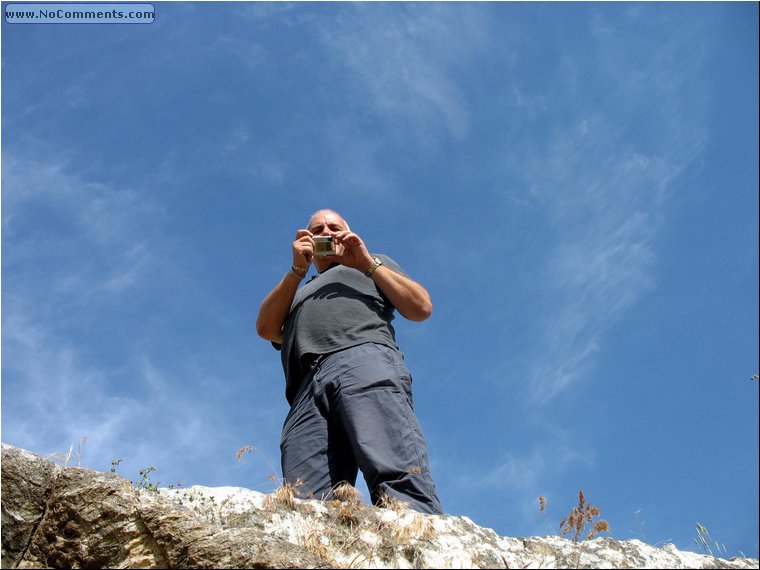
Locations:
(583, 513)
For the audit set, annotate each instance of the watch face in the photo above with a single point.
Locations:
(377, 263)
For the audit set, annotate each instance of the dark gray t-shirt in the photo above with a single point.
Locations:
(337, 309)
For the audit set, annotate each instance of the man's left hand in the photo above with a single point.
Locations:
(354, 254)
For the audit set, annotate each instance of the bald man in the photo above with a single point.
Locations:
(346, 382)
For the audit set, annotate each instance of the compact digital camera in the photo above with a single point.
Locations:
(324, 245)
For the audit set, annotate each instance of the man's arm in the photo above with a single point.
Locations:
(409, 297)
(276, 305)
(275, 308)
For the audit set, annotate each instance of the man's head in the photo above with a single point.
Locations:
(327, 223)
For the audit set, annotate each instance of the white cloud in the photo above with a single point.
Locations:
(239, 136)
(603, 180)
(406, 63)
(56, 399)
(356, 169)
(518, 480)
(145, 413)
(88, 239)
(532, 471)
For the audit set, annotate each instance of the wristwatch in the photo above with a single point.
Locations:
(372, 268)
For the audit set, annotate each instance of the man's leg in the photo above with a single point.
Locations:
(374, 401)
(315, 456)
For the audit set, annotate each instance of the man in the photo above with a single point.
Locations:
(349, 390)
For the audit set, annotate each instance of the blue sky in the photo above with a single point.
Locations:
(576, 184)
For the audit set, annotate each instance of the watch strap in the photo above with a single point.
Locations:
(372, 268)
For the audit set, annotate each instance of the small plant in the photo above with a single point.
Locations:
(145, 482)
(246, 449)
(704, 539)
(415, 527)
(346, 493)
(114, 464)
(249, 450)
(285, 495)
(64, 458)
(542, 510)
(349, 514)
(640, 532)
(386, 501)
(348, 501)
(582, 514)
(313, 542)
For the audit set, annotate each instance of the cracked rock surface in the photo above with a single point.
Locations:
(56, 517)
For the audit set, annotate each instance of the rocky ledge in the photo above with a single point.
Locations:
(71, 517)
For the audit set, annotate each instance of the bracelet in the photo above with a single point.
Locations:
(372, 268)
(298, 271)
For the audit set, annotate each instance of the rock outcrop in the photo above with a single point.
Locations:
(56, 517)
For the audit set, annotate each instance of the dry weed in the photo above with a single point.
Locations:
(63, 458)
(313, 543)
(420, 528)
(250, 450)
(346, 493)
(246, 449)
(388, 502)
(284, 496)
(582, 514)
(349, 513)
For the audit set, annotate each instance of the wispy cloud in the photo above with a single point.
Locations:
(55, 398)
(358, 171)
(77, 253)
(52, 217)
(603, 180)
(141, 411)
(239, 137)
(97, 297)
(529, 472)
(517, 480)
(405, 61)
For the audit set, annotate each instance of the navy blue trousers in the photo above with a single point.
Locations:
(354, 411)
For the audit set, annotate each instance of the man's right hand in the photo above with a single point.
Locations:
(303, 249)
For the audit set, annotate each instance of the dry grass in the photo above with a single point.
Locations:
(388, 502)
(313, 543)
(582, 514)
(63, 459)
(246, 449)
(346, 493)
(284, 496)
(420, 528)
(250, 450)
(350, 544)
(349, 513)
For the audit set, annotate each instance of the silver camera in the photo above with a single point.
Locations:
(324, 245)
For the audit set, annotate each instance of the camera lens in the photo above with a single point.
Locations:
(324, 245)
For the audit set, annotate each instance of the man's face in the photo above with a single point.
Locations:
(328, 223)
